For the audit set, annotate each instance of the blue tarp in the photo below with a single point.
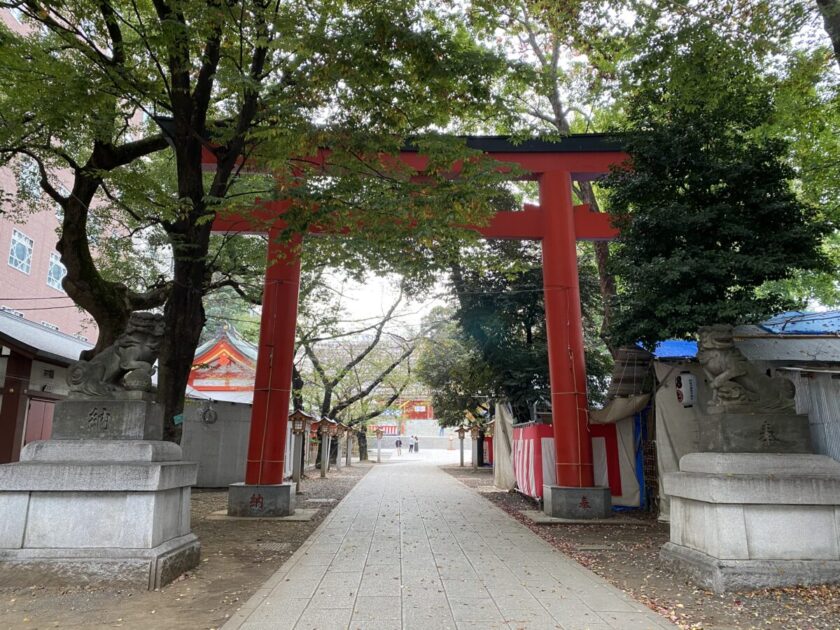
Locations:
(790, 323)
(675, 349)
(799, 323)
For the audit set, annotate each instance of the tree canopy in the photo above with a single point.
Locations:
(260, 87)
(707, 211)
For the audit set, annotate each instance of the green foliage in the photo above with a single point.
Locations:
(499, 347)
(452, 366)
(263, 87)
(706, 208)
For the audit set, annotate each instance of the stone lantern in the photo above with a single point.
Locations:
(298, 421)
(340, 430)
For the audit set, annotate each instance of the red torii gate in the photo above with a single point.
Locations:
(555, 221)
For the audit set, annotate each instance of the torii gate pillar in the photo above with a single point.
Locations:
(573, 495)
(264, 493)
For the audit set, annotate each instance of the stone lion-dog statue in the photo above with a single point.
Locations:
(737, 384)
(125, 365)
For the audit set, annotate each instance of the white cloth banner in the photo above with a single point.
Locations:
(503, 475)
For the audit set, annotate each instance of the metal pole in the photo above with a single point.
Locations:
(297, 462)
(349, 446)
(461, 439)
(329, 453)
(378, 450)
(325, 453)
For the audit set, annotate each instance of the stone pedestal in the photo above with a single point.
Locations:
(577, 503)
(83, 510)
(132, 416)
(757, 432)
(750, 520)
(261, 500)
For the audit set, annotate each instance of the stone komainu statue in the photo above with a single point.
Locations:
(737, 385)
(127, 364)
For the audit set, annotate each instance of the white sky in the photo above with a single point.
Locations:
(374, 297)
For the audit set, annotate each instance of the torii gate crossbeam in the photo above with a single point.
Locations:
(556, 222)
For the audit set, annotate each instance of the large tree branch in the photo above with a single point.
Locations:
(378, 412)
(369, 348)
(830, 10)
(363, 393)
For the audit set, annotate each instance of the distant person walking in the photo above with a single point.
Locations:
(410, 443)
(398, 444)
(416, 444)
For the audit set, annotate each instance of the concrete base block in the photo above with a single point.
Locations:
(577, 503)
(749, 520)
(261, 500)
(139, 568)
(66, 517)
(723, 576)
(300, 515)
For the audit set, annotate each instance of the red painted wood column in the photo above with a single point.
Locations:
(273, 383)
(564, 328)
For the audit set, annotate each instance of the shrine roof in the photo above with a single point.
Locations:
(40, 342)
(228, 332)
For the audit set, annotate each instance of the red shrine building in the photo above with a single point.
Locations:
(225, 363)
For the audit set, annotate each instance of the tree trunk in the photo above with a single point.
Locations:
(184, 320)
(183, 314)
(830, 10)
(297, 389)
(606, 280)
(361, 436)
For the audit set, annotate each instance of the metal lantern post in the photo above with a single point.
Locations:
(299, 421)
(379, 434)
(461, 431)
(474, 436)
(340, 429)
(348, 446)
(326, 426)
(333, 431)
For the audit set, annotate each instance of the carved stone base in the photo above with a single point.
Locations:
(138, 568)
(755, 433)
(132, 416)
(577, 503)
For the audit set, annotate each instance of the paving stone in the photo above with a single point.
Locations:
(411, 548)
(330, 619)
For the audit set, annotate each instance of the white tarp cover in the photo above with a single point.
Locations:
(619, 408)
(677, 427)
(503, 475)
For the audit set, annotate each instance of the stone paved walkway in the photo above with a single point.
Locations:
(411, 547)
